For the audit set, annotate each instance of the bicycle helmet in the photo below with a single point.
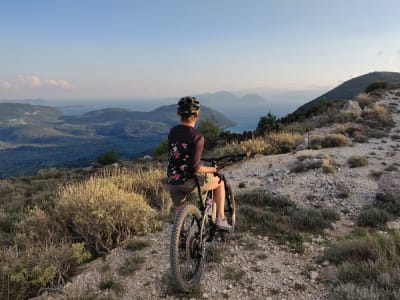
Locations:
(188, 106)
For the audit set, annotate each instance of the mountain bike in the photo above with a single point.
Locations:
(195, 228)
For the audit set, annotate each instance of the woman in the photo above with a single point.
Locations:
(185, 147)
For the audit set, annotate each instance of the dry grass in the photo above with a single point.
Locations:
(149, 182)
(102, 214)
(378, 116)
(365, 100)
(250, 147)
(283, 142)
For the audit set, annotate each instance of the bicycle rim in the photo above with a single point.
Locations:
(186, 249)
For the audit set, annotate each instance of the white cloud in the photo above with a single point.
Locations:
(34, 82)
(59, 83)
(5, 85)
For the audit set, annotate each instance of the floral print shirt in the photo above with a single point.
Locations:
(185, 147)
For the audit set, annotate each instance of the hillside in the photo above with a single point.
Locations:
(348, 90)
(36, 136)
(257, 263)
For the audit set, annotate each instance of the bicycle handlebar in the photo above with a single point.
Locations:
(229, 158)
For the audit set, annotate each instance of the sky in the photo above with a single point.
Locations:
(166, 48)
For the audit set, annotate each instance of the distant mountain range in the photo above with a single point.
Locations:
(349, 89)
(27, 124)
(37, 136)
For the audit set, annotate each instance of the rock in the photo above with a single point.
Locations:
(314, 275)
(205, 296)
(388, 186)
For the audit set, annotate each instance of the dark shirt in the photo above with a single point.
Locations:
(185, 147)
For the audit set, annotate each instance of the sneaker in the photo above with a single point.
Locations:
(223, 224)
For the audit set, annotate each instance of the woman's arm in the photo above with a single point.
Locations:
(205, 169)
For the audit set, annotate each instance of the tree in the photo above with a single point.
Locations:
(267, 123)
(209, 129)
(162, 148)
(108, 158)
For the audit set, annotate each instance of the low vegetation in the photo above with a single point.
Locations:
(356, 161)
(280, 218)
(64, 225)
(368, 266)
(331, 140)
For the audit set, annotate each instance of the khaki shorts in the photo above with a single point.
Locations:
(179, 192)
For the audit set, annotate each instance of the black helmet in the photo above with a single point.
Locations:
(188, 106)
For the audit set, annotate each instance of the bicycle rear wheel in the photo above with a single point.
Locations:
(187, 249)
(230, 209)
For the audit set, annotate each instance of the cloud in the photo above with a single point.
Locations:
(59, 83)
(379, 53)
(5, 85)
(34, 82)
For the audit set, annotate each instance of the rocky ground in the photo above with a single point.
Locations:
(255, 267)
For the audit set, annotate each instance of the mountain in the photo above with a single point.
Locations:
(26, 123)
(348, 90)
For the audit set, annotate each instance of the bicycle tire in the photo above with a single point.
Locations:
(230, 207)
(187, 256)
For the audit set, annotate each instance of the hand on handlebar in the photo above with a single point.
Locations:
(219, 176)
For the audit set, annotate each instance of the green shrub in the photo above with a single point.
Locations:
(162, 148)
(331, 140)
(379, 84)
(346, 116)
(102, 215)
(356, 161)
(313, 220)
(368, 260)
(108, 158)
(372, 217)
(267, 124)
(24, 272)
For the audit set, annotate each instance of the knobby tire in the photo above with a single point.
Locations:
(187, 253)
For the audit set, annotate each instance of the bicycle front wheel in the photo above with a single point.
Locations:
(187, 249)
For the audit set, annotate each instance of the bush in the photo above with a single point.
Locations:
(267, 124)
(369, 260)
(162, 148)
(283, 142)
(102, 215)
(365, 100)
(24, 272)
(331, 140)
(372, 217)
(313, 220)
(356, 161)
(250, 147)
(379, 84)
(108, 158)
(378, 117)
(210, 130)
(345, 116)
(149, 182)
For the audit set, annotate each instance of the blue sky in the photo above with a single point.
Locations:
(88, 49)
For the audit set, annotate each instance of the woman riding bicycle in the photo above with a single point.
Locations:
(185, 147)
